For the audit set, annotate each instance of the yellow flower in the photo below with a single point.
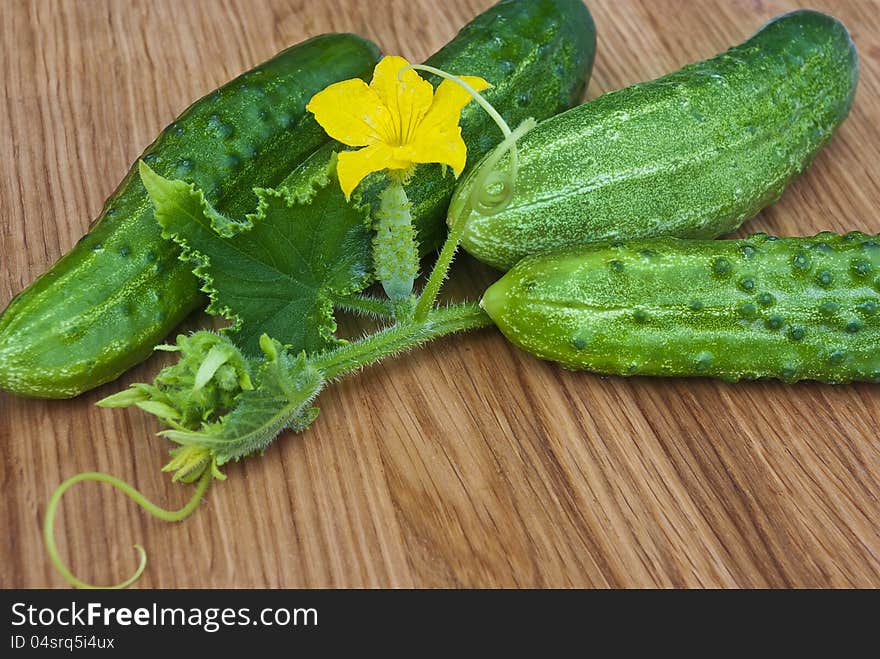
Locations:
(399, 121)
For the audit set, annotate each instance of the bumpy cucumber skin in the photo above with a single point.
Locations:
(691, 155)
(103, 306)
(761, 307)
(538, 56)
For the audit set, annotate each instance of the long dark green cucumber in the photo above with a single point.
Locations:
(762, 307)
(538, 56)
(690, 155)
(105, 305)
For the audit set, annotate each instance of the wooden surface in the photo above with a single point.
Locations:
(467, 463)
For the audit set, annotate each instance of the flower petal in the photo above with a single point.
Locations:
(438, 136)
(407, 98)
(440, 146)
(351, 112)
(451, 97)
(354, 166)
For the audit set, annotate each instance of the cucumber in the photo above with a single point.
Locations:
(104, 306)
(762, 307)
(690, 155)
(537, 54)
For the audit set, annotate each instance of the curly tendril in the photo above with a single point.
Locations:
(134, 495)
(493, 189)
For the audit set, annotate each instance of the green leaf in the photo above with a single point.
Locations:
(285, 386)
(220, 406)
(201, 385)
(280, 270)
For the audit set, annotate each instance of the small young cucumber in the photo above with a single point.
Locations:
(690, 155)
(105, 305)
(762, 307)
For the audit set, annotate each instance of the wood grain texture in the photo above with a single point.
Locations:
(468, 463)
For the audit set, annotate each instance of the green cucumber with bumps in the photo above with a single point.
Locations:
(537, 54)
(760, 307)
(690, 155)
(103, 306)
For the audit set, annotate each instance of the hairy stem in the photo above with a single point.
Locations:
(441, 268)
(398, 338)
(366, 305)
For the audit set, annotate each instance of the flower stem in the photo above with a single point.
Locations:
(441, 268)
(401, 336)
(134, 495)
